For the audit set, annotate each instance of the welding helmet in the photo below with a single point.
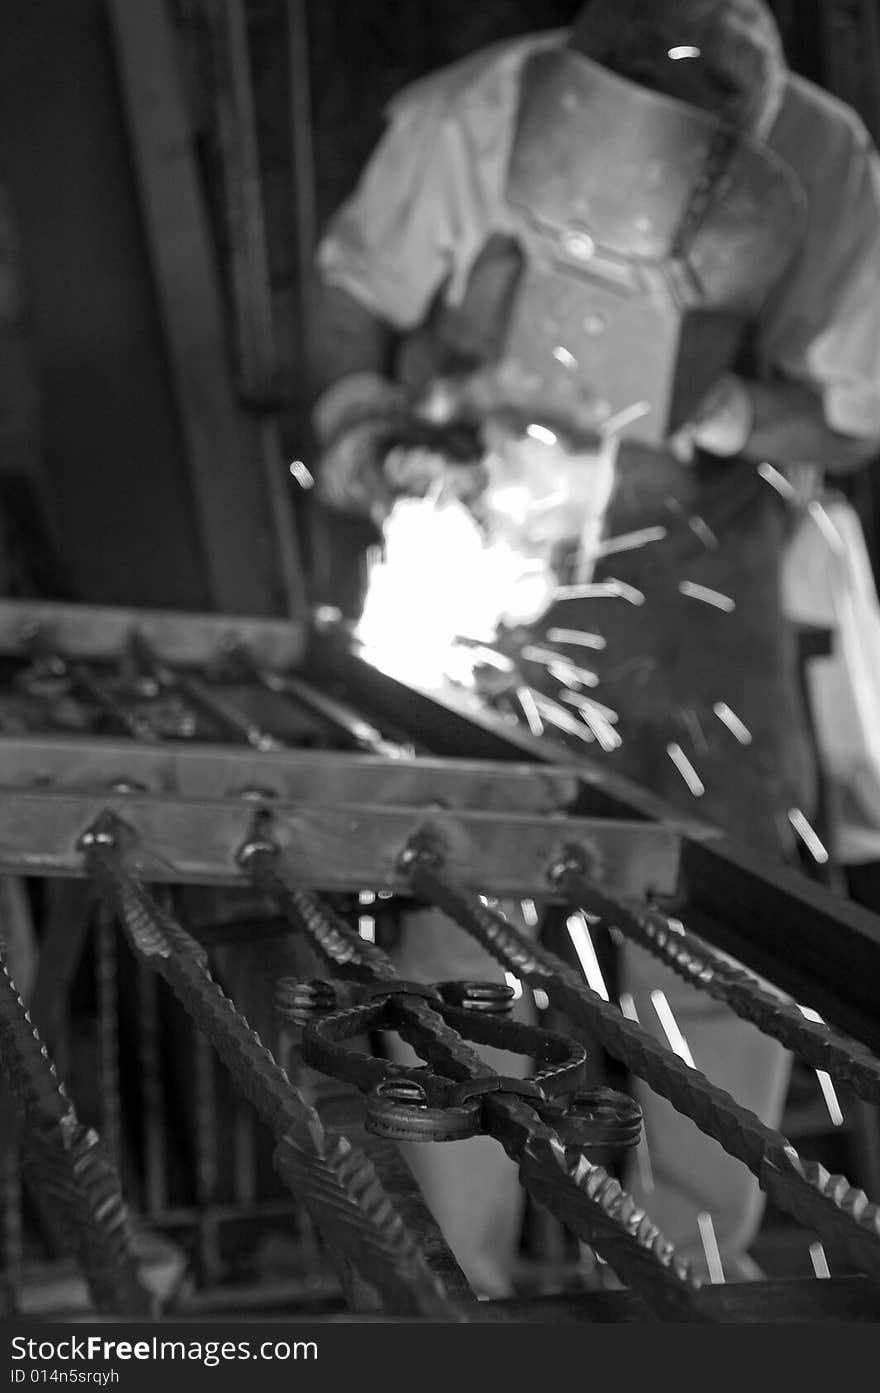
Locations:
(723, 55)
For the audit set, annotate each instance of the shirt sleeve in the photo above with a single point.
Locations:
(822, 327)
(390, 245)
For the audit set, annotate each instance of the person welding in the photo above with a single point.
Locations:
(647, 219)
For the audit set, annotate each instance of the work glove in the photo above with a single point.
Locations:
(376, 448)
(721, 424)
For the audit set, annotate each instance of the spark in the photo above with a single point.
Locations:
(529, 913)
(629, 541)
(419, 613)
(601, 589)
(302, 474)
(600, 720)
(701, 529)
(623, 418)
(683, 51)
(606, 712)
(829, 1093)
(582, 942)
(567, 672)
(530, 710)
(568, 360)
(686, 770)
(628, 1007)
(710, 1247)
(544, 656)
(819, 1260)
(628, 592)
(732, 721)
(808, 836)
(709, 597)
(367, 928)
(515, 983)
(695, 730)
(542, 433)
(576, 637)
(556, 715)
(826, 526)
(677, 1043)
(580, 676)
(776, 480)
(490, 657)
(572, 677)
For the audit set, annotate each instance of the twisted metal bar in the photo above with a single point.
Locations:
(338, 944)
(840, 1213)
(340, 1187)
(693, 959)
(70, 1167)
(581, 1194)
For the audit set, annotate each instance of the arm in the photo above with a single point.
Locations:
(783, 422)
(815, 398)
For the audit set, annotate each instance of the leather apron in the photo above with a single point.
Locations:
(650, 235)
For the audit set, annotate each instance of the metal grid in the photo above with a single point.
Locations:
(187, 778)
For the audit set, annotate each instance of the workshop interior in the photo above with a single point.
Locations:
(379, 881)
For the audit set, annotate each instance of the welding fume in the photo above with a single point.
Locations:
(596, 293)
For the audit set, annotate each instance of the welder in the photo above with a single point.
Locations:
(648, 210)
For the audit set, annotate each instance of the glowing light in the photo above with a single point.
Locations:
(530, 710)
(582, 942)
(556, 715)
(703, 531)
(732, 721)
(709, 597)
(826, 526)
(677, 1043)
(600, 719)
(366, 897)
(808, 836)
(829, 1093)
(542, 1000)
(629, 541)
(819, 1260)
(515, 983)
(568, 360)
(686, 770)
(529, 913)
(621, 419)
(611, 589)
(710, 1247)
(683, 51)
(628, 1007)
(302, 474)
(367, 928)
(776, 480)
(435, 581)
(576, 637)
(542, 433)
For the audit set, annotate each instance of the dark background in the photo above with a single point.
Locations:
(110, 440)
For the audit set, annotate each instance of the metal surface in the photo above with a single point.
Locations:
(355, 812)
(340, 848)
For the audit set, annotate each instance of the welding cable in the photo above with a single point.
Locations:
(840, 1213)
(336, 1182)
(69, 1166)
